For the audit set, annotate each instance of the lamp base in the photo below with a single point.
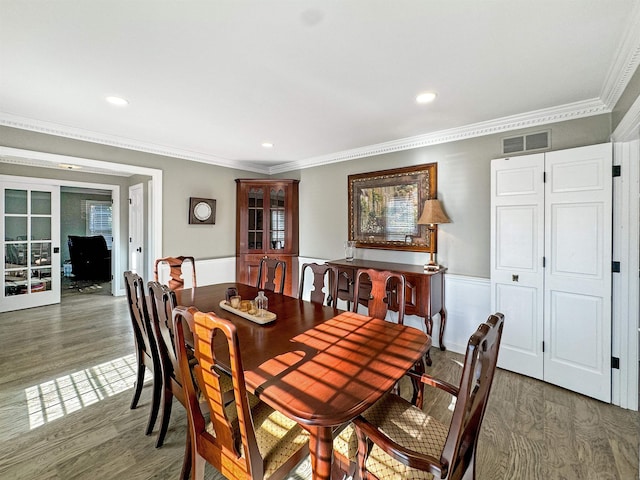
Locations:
(431, 265)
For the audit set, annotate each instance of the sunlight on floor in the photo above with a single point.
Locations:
(54, 399)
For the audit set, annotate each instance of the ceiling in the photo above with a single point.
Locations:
(323, 80)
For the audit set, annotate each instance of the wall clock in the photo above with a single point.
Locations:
(202, 211)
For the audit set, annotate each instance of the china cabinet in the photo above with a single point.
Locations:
(267, 226)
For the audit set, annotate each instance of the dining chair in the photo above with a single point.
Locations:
(163, 301)
(177, 270)
(244, 439)
(382, 290)
(389, 286)
(398, 440)
(147, 356)
(270, 271)
(325, 283)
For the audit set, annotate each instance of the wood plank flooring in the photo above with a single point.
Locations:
(65, 389)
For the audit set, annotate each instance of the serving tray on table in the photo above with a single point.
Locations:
(267, 318)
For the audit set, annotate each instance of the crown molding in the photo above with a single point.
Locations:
(561, 113)
(530, 119)
(50, 128)
(625, 63)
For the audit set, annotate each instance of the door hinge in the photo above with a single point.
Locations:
(615, 267)
(615, 363)
(130, 202)
(130, 240)
(544, 262)
(542, 347)
(544, 177)
(616, 170)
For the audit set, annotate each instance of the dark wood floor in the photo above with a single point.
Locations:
(65, 389)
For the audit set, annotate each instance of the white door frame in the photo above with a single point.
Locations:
(626, 322)
(155, 194)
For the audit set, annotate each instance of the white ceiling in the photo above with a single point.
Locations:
(323, 80)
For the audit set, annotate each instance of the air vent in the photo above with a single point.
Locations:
(512, 145)
(526, 143)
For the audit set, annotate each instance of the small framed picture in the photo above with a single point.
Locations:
(202, 211)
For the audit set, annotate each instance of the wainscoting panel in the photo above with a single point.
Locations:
(208, 272)
(468, 304)
(216, 270)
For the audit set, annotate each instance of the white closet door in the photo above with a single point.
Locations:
(578, 275)
(517, 247)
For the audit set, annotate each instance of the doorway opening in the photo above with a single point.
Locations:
(86, 241)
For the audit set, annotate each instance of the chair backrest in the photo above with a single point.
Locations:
(475, 385)
(90, 257)
(381, 291)
(234, 446)
(163, 301)
(134, 286)
(324, 276)
(176, 271)
(270, 270)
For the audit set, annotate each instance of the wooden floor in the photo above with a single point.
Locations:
(65, 389)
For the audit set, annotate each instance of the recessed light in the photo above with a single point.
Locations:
(68, 166)
(426, 97)
(267, 145)
(119, 101)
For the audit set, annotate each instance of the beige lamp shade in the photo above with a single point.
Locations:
(432, 213)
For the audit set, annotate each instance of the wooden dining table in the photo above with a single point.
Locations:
(317, 365)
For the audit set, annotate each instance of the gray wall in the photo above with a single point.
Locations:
(463, 188)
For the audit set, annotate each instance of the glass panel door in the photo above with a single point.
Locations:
(276, 219)
(255, 230)
(30, 231)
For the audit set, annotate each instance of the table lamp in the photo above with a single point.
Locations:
(432, 215)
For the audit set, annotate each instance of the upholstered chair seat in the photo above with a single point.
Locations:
(405, 424)
(277, 436)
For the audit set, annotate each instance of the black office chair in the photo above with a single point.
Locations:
(90, 257)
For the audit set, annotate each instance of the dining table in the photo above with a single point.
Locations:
(316, 364)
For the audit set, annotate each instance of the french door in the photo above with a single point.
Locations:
(30, 236)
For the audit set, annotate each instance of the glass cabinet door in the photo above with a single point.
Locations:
(277, 224)
(255, 210)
